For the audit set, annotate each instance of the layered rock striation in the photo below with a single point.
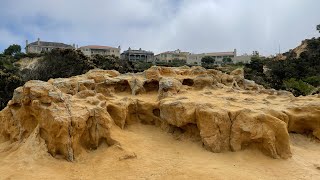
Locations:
(224, 112)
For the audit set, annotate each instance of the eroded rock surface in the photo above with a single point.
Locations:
(226, 112)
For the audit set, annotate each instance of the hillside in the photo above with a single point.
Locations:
(163, 123)
(297, 70)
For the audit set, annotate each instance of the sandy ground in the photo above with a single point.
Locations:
(158, 156)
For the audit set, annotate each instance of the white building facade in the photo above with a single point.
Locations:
(195, 59)
(100, 50)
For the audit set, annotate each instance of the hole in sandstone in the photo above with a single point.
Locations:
(122, 86)
(59, 154)
(114, 113)
(188, 82)
(5, 137)
(152, 85)
(188, 131)
(102, 140)
(156, 112)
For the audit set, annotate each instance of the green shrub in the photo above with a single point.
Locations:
(298, 87)
(313, 80)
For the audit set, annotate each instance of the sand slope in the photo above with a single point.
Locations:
(160, 156)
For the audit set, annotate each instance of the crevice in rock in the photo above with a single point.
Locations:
(188, 82)
(115, 114)
(188, 131)
(151, 85)
(122, 86)
(69, 145)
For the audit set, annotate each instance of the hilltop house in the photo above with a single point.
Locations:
(101, 50)
(138, 55)
(170, 56)
(44, 46)
(195, 59)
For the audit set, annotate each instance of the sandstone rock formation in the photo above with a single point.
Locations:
(226, 112)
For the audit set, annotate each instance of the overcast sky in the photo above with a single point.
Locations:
(159, 25)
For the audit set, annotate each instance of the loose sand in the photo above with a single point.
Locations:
(159, 156)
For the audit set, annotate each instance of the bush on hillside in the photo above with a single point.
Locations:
(111, 62)
(61, 63)
(298, 87)
(9, 76)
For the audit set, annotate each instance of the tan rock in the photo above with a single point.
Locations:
(224, 112)
(168, 87)
(214, 126)
(305, 119)
(264, 131)
(178, 112)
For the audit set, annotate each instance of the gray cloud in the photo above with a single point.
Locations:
(160, 25)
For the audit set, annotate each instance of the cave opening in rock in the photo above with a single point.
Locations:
(152, 85)
(188, 131)
(156, 112)
(122, 86)
(188, 82)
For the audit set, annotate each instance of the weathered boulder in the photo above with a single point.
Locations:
(67, 124)
(178, 112)
(305, 119)
(266, 132)
(203, 81)
(153, 73)
(168, 87)
(214, 126)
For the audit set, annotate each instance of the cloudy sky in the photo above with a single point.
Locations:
(159, 25)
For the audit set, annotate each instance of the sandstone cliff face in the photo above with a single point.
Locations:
(226, 112)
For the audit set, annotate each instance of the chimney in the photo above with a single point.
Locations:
(235, 52)
(119, 47)
(38, 41)
(77, 46)
(74, 46)
(26, 46)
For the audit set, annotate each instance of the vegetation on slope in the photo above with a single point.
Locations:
(299, 74)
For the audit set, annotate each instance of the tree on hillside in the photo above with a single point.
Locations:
(112, 62)
(12, 50)
(227, 61)
(9, 79)
(207, 60)
(256, 64)
(61, 63)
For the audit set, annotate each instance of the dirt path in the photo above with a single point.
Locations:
(159, 156)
